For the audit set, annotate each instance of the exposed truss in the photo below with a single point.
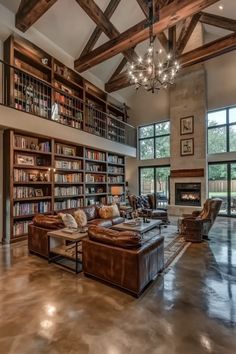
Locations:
(171, 13)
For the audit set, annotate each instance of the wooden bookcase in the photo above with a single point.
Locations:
(56, 92)
(46, 175)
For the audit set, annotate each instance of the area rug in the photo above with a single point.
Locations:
(174, 245)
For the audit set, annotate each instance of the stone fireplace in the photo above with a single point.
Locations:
(188, 194)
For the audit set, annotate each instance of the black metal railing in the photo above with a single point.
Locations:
(31, 94)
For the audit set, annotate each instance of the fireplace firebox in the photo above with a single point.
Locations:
(188, 194)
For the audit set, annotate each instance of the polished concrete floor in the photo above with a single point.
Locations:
(189, 310)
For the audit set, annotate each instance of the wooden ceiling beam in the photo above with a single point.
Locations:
(209, 51)
(96, 14)
(119, 68)
(170, 15)
(218, 21)
(196, 56)
(98, 31)
(30, 11)
(186, 32)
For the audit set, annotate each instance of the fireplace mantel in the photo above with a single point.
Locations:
(198, 172)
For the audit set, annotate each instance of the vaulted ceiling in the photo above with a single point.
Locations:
(103, 35)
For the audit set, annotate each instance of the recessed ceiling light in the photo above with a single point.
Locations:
(221, 7)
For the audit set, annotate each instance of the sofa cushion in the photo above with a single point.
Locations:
(80, 217)
(109, 211)
(145, 201)
(91, 212)
(48, 221)
(100, 222)
(117, 220)
(68, 220)
(124, 239)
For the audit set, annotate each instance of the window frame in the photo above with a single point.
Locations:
(227, 126)
(154, 167)
(154, 137)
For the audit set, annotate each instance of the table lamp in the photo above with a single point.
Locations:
(116, 192)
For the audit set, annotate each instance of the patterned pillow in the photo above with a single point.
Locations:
(106, 212)
(109, 211)
(69, 221)
(145, 202)
(80, 217)
(139, 202)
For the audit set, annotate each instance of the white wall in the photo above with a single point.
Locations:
(146, 108)
(221, 81)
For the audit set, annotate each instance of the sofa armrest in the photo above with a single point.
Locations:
(196, 213)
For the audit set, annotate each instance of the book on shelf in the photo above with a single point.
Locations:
(20, 209)
(68, 191)
(21, 227)
(95, 155)
(20, 175)
(68, 165)
(115, 179)
(29, 192)
(28, 143)
(94, 167)
(69, 204)
(90, 178)
(115, 169)
(65, 150)
(68, 178)
(115, 159)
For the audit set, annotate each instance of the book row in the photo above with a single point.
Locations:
(68, 204)
(31, 208)
(68, 165)
(68, 178)
(68, 191)
(95, 155)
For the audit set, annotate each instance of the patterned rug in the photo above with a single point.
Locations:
(174, 245)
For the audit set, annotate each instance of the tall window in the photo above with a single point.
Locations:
(155, 180)
(154, 141)
(222, 131)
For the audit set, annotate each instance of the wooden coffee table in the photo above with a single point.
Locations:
(141, 229)
(71, 251)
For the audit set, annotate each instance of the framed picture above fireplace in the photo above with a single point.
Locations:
(187, 125)
(187, 147)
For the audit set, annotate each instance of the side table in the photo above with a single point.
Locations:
(72, 251)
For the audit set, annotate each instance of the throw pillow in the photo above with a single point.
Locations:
(106, 212)
(115, 210)
(80, 218)
(69, 221)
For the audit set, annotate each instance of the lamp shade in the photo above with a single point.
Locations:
(116, 190)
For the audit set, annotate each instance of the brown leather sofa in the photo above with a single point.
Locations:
(42, 224)
(146, 206)
(122, 258)
(196, 226)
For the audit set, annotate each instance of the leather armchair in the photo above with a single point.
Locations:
(145, 206)
(197, 226)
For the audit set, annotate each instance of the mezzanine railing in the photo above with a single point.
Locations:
(25, 92)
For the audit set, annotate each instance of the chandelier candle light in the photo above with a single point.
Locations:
(155, 70)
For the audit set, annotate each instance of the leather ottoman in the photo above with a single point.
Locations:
(131, 269)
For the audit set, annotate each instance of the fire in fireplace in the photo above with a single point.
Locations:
(188, 194)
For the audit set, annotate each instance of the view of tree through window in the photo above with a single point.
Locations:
(155, 180)
(154, 141)
(222, 131)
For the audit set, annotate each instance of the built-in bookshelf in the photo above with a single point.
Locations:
(40, 84)
(45, 175)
